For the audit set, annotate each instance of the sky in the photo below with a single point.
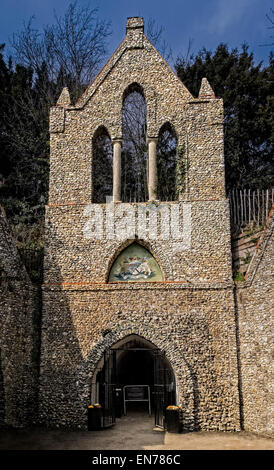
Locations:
(204, 23)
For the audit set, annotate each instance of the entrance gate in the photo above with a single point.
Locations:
(106, 382)
(110, 391)
(164, 385)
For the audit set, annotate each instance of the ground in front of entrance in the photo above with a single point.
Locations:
(132, 432)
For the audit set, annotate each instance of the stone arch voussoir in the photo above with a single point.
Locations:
(181, 369)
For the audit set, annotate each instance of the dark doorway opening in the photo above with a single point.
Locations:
(136, 377)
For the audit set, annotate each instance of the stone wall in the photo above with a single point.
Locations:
(19, 341)
(254, 309)
(190, 314)
(195, 328)
(198, 123)
(216, 336)
(80, 248)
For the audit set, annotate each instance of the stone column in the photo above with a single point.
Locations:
(152, 168)
(117, 148)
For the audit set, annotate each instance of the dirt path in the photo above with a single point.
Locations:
(132, 432)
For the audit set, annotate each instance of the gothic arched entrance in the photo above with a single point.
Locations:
(134, 375)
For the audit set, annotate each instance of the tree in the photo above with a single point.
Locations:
(154, 33)
(24, 153)
(247, 92)
(134, 154)
(270, 19)
(167, 163)
(72, 48)
(66, 53)
(102, 164)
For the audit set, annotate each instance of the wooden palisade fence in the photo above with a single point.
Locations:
(250, 207)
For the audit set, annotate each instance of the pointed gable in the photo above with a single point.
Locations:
(148, 60)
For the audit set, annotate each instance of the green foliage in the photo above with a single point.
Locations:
(66, 53)
(167, 163)
(247, 258)
(134, 153)
(238, 277)
(102, 167)
(247, 93)
(32, 257)
(24, 149)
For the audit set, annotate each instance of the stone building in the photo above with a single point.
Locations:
(189, 312)
(19, 335)
(141, 293)
(254, 325)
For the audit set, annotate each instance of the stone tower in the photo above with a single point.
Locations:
(153, 274)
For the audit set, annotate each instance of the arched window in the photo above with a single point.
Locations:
(167, 163)
(134, 152)
(102, 161)
(135, 264)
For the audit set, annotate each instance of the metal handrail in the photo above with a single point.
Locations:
(140, 399)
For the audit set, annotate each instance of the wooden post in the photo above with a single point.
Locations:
(258, 202)
(242, 209)
(254, 209)
(244, 206)
(263, 207)
(234, 207)
(266, 205)
(249, 208)
(238, 207)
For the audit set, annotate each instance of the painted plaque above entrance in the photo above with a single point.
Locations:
(135, 264)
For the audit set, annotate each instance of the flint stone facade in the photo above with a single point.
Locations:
(190, 315)
(254, 310)
(19, 336)
(216, 336)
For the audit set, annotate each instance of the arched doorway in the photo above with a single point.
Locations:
(134, 376)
